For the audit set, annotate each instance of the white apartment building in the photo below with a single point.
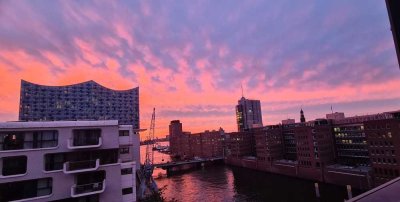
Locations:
(68, 161)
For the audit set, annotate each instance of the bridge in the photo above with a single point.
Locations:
(188, 164)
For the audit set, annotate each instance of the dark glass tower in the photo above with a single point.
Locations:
(83, 101)
(248, 114)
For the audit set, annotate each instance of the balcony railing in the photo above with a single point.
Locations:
(88, 144)
(88, 189)
(81, 166)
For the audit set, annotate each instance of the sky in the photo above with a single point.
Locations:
(189, 58)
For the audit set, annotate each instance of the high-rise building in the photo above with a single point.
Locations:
(248, 114)
(68, 161)
(83, 101)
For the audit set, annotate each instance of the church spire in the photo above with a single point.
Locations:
(302, 118)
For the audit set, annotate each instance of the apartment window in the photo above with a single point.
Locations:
(126, 171)
(28, 140)
(12, 141)
(54, 161)
(124, 133)
(126, 191)
(14, 165)
(25, 189)
(124, 150)
(84, 137)
(42, 139)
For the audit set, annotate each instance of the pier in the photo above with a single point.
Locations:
(177, 166)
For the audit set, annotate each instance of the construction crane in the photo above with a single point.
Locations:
(147, 184)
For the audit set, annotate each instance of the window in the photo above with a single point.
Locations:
(54, 161)
(25, 189)
(126, 191)
(84, 137)
(12, 141)
(124, 133)
(14, 165)
(124, 150)
(126, 171)
(28, 140)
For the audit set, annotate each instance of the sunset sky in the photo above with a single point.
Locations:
(189, 58)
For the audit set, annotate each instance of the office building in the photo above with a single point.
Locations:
(68, 161)
(384, 148)
(351, 141)
(83, 101)
(248, 114)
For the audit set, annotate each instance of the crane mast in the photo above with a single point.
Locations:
(150, 139)
(147, 184)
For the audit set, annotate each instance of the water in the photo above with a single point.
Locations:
(227, 183)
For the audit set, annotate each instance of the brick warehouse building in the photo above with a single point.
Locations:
(360, 151)
(384, 147)
(338, 150)
(185, 145)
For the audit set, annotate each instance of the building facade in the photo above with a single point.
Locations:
(269, 143)
(241, 144)
(383, 137)
(185, 145)
(350, 140)
(361, 151)
(83, 101)
(175, 134)
(248, 114)
(68, 161)
(289, 141)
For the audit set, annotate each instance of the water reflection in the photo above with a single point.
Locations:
(224, 183)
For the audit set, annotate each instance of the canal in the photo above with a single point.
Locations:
(228, 183)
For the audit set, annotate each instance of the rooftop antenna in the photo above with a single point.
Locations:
(331, 109)
(241, 86)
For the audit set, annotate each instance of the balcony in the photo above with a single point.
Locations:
(84, 144)
(81, 166)
(88, 189)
